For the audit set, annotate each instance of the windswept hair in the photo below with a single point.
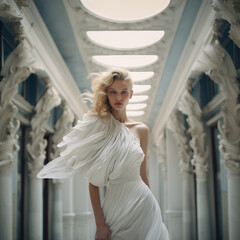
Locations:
(100, 83)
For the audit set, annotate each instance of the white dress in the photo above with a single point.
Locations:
(108, 153)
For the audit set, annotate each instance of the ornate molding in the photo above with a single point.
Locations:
(16, 69)
(17, 29)
(189, 106)
(9, 11)
(184, 150)
(36, 148)
(161, 151)
(22, 3)
(62, 127)
(230, 11)
(216, 62)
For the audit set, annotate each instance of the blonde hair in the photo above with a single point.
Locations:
(100, 85)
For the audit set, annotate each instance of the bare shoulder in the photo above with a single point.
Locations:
(140, 129)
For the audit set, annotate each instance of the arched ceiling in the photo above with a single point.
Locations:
(73, 26)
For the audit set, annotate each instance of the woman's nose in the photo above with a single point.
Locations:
(119, 97)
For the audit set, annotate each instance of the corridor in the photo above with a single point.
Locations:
(184, 59)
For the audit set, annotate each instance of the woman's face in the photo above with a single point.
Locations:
(118, 94)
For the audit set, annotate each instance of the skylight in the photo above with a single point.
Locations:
(125, 39)
(141, 76)
(138, 106)
(135, 113)
(125, 11)
(141, 88)
(138, 98)
(125, 61)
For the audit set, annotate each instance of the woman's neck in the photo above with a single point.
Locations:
(120, 116)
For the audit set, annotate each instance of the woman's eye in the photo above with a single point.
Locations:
(112, 92)
(124, 92)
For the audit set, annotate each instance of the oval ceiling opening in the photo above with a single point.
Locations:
(125, 61)
(125, 40)
(125, 11)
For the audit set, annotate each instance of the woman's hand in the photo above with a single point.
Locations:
(102, 233)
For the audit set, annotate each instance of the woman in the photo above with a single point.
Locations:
(111, 149)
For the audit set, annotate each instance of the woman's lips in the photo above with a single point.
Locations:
(118, 104)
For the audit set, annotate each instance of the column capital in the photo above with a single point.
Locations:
(229, 10)
(62, 127)
(184, 151)
(189, 106)
(7, 149)
(16, 69)
(223, 72)
(36, 148)
(9, 11)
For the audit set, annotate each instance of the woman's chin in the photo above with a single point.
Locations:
(118, 108)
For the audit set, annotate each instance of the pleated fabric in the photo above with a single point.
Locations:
(108, 153)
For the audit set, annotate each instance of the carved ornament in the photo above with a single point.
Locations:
(9, 11)
(62, 127)
(216, 62)
(36, 148)
(189, 106)
(184, 150)
(16, 69)
(230, 11)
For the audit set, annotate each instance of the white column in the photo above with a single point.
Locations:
(190, 107)
(83, 216)
(174, 189)
(36, 156)
(153, 172)
(216, 62)
(161, 151)
(57, 210)
(13, 72)
(68, 214)
(62, 127)
(185, 155)
(35, 218)
(233, 204)
(6, 202)
(188, 214)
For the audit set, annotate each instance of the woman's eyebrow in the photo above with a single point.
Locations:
(115, 89)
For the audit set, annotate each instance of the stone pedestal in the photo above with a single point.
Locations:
(57, 211)
(35, 218)
(6, 202)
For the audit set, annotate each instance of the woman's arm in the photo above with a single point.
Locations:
(143, 132)
(102, 231)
